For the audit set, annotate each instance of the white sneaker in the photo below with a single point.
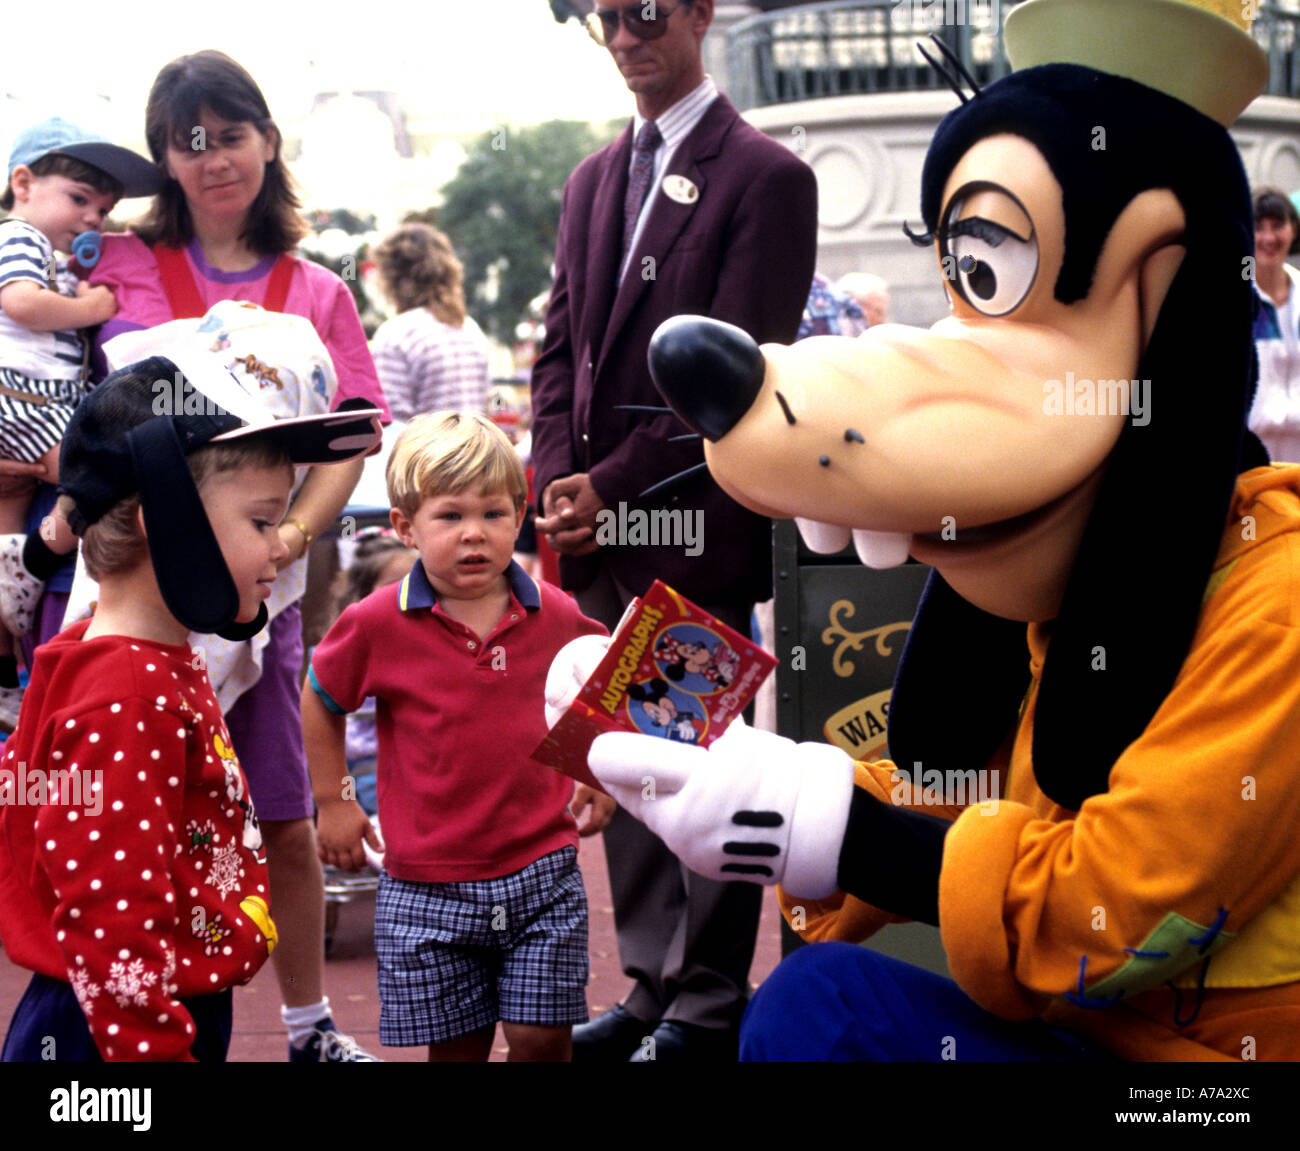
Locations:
(11, 702)
(20, 591)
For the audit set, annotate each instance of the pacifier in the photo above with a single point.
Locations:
(86, 250)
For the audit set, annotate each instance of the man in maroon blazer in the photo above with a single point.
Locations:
(697, 213)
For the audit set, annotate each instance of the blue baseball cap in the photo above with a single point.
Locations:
(138, 176)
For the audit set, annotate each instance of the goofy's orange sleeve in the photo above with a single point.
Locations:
(1192, 850)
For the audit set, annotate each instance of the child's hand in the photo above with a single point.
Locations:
(340, 828)
(598, 806)
(103, 305)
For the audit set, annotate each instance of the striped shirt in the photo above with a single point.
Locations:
(25, 254)
(674, 126)
(425, 365)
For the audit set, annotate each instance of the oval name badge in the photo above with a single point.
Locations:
(680, 190)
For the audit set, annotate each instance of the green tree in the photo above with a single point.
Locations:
(502, 210)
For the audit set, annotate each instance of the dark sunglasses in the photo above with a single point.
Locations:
(645, 20)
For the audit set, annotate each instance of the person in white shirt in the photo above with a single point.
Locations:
(1275, 415)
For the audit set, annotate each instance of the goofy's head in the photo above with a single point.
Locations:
(1063, 446)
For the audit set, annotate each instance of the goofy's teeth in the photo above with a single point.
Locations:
(881, 549)
(824, 539)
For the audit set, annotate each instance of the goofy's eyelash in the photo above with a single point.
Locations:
(991, 233)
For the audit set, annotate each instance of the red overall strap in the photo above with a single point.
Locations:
(277, 286)
(183, 293)
(178, 283)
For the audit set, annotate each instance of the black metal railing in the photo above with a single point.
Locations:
(854, 47)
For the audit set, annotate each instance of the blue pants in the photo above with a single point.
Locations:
(49, 1024)
(834, 1002)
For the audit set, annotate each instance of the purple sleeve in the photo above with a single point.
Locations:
(553, 374)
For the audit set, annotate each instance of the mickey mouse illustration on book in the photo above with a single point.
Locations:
(1113, 627)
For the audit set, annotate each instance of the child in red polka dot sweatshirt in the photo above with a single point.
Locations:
(132, 877)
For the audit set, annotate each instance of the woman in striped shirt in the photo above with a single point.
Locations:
(431, 356)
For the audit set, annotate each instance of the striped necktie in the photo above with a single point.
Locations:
(647, 140)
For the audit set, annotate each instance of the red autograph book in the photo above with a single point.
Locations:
(672, 671)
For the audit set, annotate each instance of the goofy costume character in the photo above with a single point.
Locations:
(1134, 890)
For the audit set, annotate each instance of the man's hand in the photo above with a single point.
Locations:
(341, 826)
(18, 478)
(753, 806)
(570, 506)
(598, 806)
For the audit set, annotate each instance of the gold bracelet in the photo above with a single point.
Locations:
(294, 521)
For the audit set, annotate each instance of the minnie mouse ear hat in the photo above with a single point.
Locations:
(132, 434)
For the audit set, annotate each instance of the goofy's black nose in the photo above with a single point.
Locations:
(709, 372)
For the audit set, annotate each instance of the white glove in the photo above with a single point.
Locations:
(570, 669)
(752, 806)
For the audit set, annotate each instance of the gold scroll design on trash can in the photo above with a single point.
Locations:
(859, 728)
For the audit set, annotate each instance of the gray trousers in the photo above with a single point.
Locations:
(687, 942)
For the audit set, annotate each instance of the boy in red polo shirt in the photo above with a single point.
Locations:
(481, 913)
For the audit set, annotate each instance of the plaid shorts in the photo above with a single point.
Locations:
(456, 957)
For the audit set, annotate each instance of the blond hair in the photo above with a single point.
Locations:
(114, 543)
(442, 453)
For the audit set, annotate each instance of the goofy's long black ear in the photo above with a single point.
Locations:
(192, 575)
(959, 684)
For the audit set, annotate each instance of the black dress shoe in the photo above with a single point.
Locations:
(610, 1037)
(673, 1042)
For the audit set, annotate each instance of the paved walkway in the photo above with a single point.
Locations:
(350, 975)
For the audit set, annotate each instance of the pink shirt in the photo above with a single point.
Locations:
(129, 268)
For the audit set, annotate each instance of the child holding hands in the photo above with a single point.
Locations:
(481, 914)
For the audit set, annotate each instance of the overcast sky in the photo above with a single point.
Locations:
(472, 63)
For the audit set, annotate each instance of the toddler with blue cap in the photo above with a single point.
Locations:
(62, 184)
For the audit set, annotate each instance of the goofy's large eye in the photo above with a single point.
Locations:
(991, 267)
